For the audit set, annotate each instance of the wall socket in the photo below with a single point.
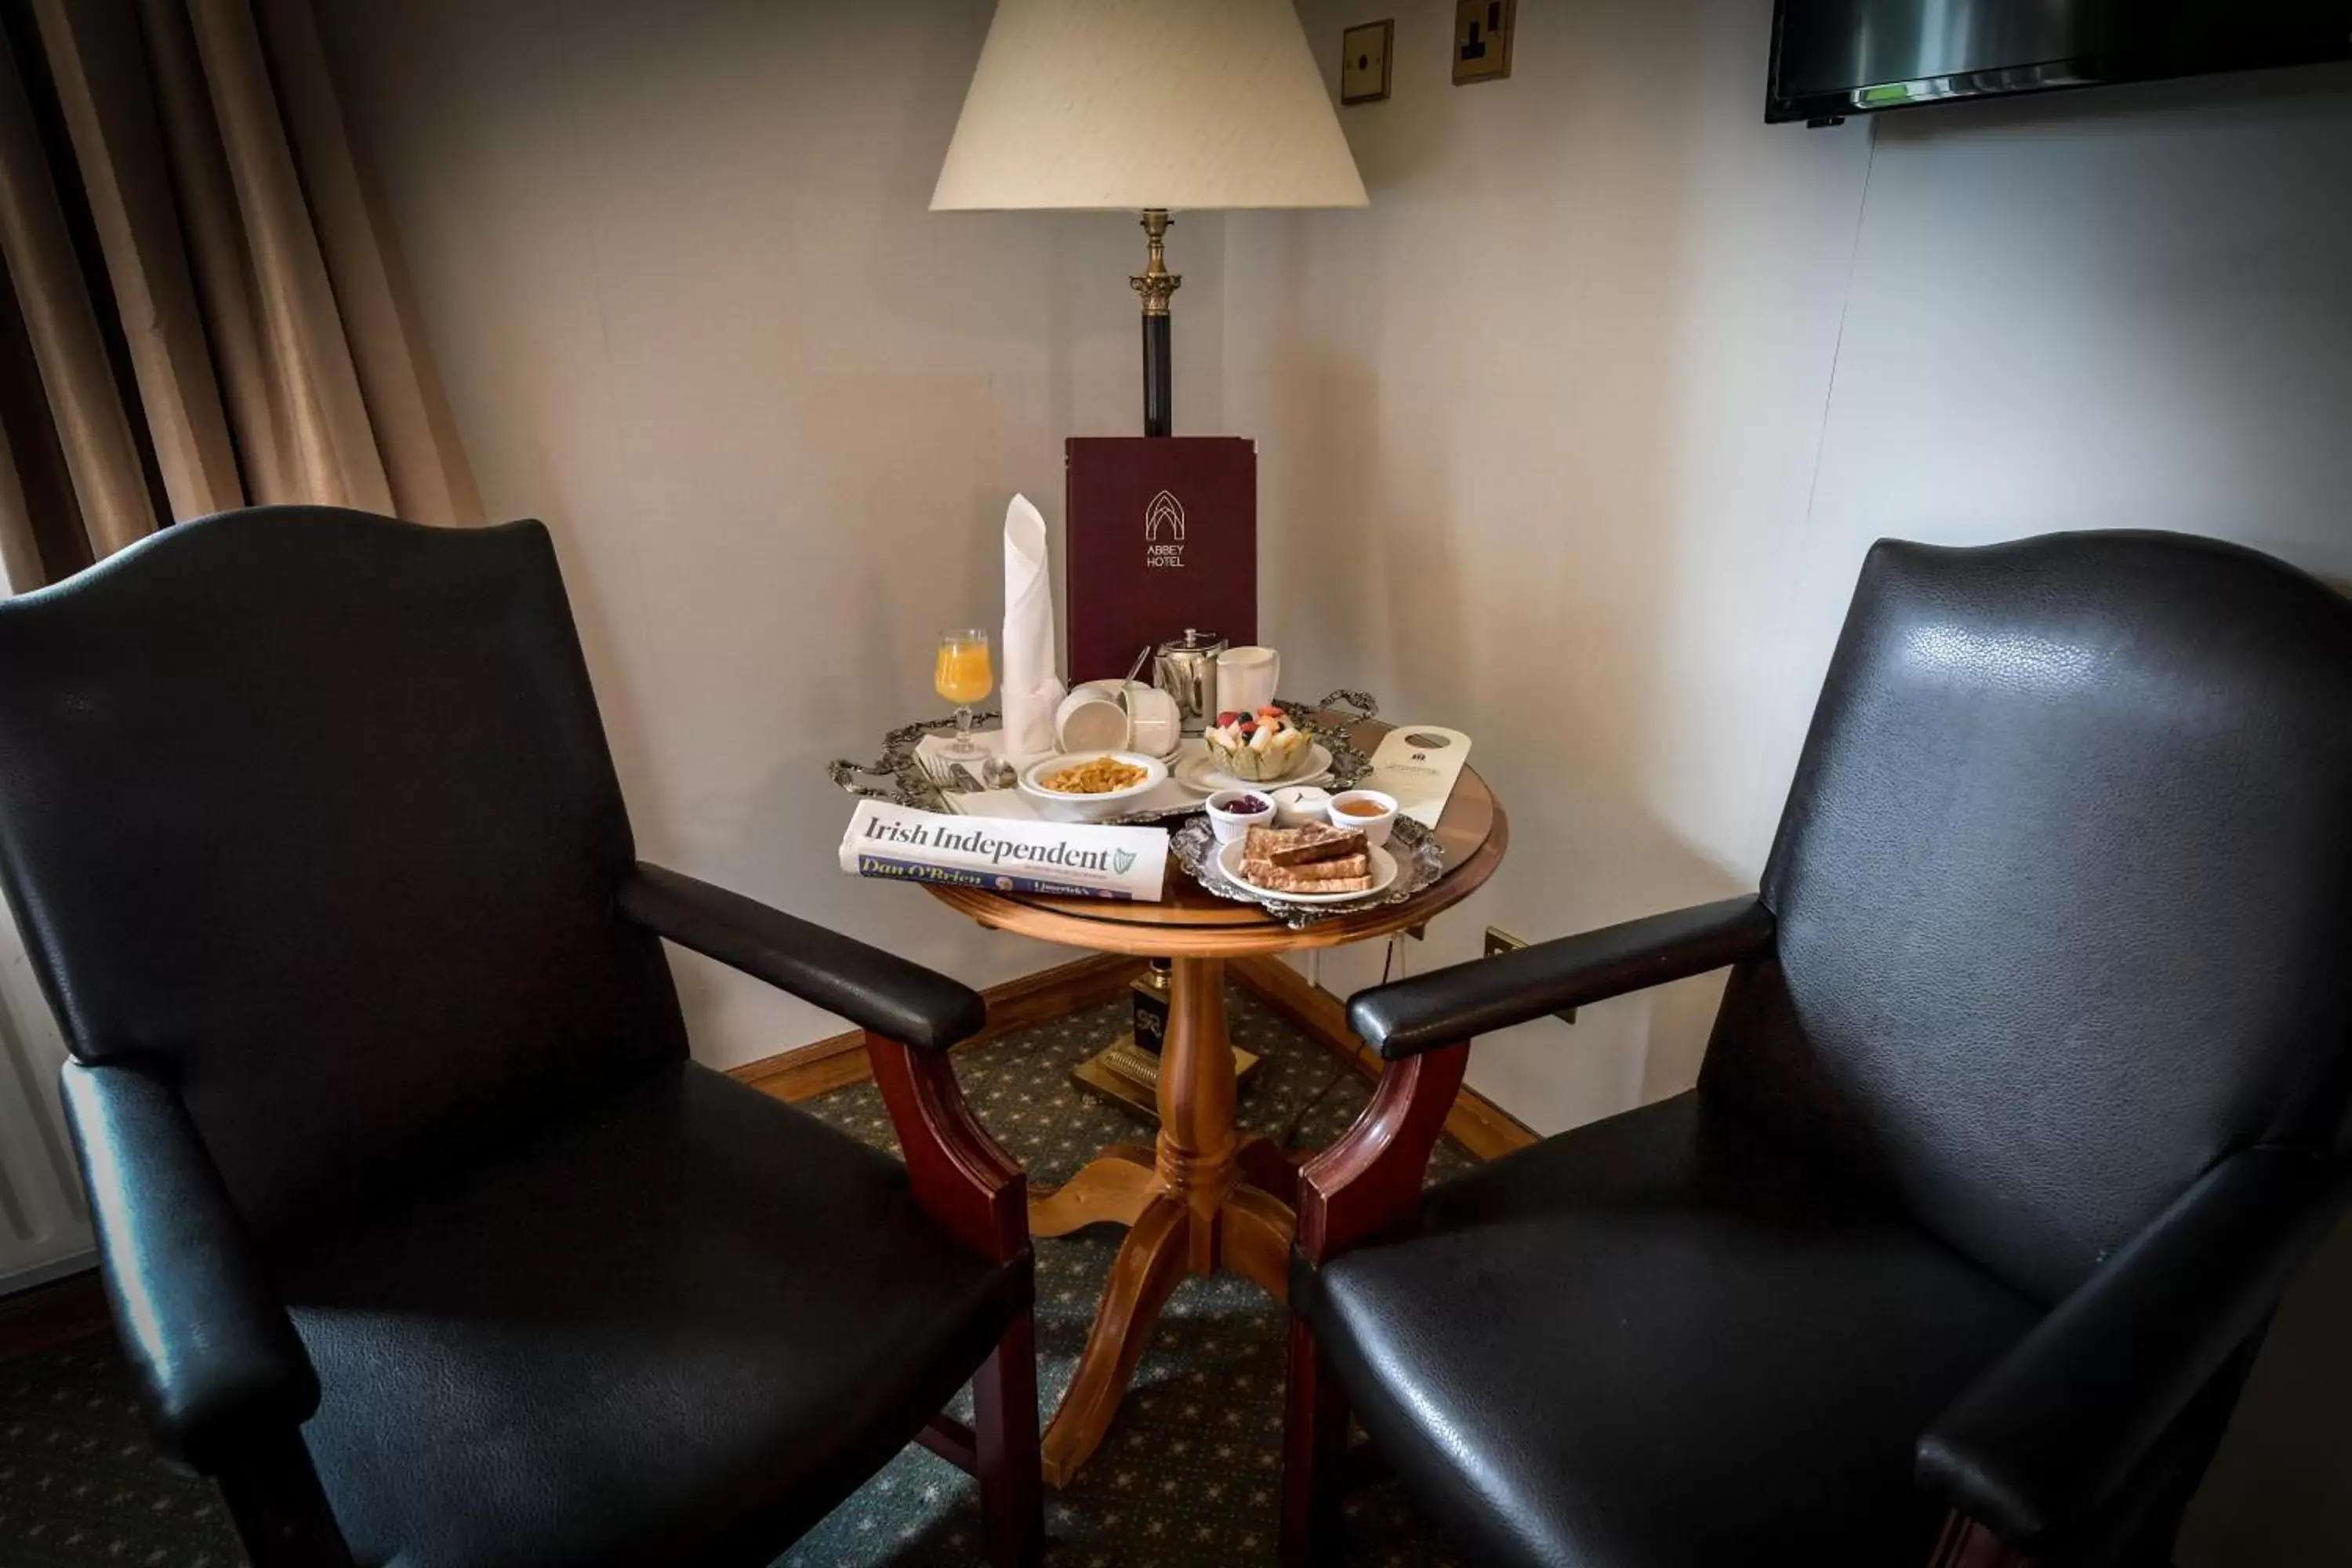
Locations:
(1483, 30)
(1500, 941)
(1364, 62)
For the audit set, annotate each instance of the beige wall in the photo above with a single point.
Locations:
(1576, 436)
(1538, 431)
(674, 264)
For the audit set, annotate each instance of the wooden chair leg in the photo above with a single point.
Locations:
(1004, 1430)
(1314, 1447)
(1965, 1543)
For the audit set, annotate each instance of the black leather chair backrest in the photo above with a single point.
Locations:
(312, 810)
(2064, 888)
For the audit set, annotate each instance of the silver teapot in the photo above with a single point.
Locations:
(1186, 668)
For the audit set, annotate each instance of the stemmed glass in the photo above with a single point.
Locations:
(962, 677)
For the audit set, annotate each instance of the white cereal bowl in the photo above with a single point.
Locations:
(1055, 807)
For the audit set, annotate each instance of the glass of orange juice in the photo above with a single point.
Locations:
(962, 677)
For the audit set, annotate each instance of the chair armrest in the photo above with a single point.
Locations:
(877, 991)
(1479, 998)
(962, 1178)
(216, 1361)
(1371, 1177)
(2053, 1427)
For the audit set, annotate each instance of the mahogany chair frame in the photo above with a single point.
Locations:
(971, 1189)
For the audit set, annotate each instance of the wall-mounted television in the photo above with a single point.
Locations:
(1835, 58)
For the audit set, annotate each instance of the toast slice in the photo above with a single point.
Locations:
(1314, 871)
(1284, 882)
(1302, 846)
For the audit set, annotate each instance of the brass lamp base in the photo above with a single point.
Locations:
(1123, 1074)
(1153, 286)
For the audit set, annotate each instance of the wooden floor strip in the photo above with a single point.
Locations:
(840, 1060)
(49, 1315)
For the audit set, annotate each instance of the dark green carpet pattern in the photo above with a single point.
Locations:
(1186, 1480)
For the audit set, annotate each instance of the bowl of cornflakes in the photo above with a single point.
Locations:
(1089, 786)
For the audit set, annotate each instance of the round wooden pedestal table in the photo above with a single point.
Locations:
(1202, 1198)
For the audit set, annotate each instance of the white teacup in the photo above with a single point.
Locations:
(1157, 725)
(1246, 679)
(1088, 721)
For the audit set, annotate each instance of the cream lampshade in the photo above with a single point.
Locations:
(1148, 105)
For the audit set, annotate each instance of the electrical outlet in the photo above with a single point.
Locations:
(1483, 30)
(1364, 62)
(1500, 941)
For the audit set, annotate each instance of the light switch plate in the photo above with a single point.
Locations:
(1364, 62)
(1483, 30)
(1500, 941)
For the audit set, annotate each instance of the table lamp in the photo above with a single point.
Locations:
(1148, 106)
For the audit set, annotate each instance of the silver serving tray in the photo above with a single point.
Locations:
(899, 778)
(1420, 861)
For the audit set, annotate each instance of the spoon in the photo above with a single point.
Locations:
(1126, 705)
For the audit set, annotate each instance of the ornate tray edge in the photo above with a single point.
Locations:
(907, 785)
(1422, 863)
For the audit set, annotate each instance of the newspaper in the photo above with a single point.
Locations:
(1066, 859)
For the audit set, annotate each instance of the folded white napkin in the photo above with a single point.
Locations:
(1032, 690)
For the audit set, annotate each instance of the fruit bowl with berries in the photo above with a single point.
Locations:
(1259, 746)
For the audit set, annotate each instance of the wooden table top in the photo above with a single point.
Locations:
(1191, 924)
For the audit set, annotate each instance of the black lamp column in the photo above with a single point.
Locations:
(1154, 286)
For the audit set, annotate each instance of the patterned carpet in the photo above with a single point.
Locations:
(1187, 1476)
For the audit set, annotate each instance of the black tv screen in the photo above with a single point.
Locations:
(1836, 57)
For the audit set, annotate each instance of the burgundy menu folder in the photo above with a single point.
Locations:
(1163, 538)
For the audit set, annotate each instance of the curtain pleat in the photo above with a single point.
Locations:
(99, 69)
(86, 407)
(430, 479)
(330, 444)
(20, 552)
(217, 251)
(51, 514)
(203, 306)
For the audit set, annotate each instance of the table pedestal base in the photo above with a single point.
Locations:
(1110, 1076)
(1200, 1200)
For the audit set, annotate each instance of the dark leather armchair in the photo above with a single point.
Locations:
(424, 1236)
(2026, 1095)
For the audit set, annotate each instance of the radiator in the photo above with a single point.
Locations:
(44, 1223)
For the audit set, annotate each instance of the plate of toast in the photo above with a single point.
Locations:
(1317, 864)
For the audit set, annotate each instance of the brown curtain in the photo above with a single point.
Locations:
(203, 307)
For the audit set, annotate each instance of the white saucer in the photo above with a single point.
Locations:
(1202, 773)
(1385, 872)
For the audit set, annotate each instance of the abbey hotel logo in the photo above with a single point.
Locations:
(1163, 531)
